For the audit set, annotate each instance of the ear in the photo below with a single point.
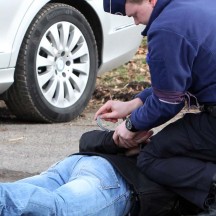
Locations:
(153, 2)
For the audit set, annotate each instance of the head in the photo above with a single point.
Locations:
(140, 10)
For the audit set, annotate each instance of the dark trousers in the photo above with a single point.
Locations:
(182, 156)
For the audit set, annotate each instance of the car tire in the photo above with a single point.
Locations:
(56, 68)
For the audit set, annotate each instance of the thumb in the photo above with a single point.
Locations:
(145, 135)
(109, 116)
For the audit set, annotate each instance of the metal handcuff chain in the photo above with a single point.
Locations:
(100, 124)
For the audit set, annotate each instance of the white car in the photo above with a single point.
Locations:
(51, 53)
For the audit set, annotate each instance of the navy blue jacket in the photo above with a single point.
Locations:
(181, 57)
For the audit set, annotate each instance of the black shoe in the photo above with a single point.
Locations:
(210, 202)
(208, 213)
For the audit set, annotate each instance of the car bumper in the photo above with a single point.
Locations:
(6, 79)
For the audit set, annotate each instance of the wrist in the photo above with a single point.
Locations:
(134, 104)
(129, 125)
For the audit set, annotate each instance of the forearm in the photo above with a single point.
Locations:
(98, 141)
(134, 104)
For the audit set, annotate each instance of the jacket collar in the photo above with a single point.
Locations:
(160, 5)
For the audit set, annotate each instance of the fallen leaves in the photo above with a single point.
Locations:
(124, 82)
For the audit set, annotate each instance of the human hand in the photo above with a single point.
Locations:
(132, 151)
(135, 150)
(127, 139)
(114, 110)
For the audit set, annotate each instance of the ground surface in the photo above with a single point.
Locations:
(27, 148)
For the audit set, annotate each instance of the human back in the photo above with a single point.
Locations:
(186, 30)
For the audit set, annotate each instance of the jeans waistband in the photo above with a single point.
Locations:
(211, 109)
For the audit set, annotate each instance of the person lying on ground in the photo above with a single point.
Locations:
(99, 180)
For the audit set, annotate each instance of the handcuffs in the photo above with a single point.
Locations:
(100, 124)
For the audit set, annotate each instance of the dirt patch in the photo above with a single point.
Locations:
(103, 93)
(10, 175)
(124, 82)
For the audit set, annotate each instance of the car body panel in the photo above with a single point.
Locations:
(117, 31)
(6, 78)
(10, 25)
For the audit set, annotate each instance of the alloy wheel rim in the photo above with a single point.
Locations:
(62, 64)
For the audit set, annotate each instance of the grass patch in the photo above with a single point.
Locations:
(125, 81)
(135, 70)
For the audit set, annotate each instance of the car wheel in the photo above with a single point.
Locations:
(56, 68)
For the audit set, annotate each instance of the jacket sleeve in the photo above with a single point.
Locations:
(100, 142)
(170, 60)
(143, 95)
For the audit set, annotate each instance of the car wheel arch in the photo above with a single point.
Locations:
(84, 8)
(93, 20)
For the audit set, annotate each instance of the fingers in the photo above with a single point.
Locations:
(111, 116)
(143, 136)
(113, 110)
(116, 138)
(119, 141)
(110, 120)
(104, 109)
(107, 112)
(132, 151)
(126, 139)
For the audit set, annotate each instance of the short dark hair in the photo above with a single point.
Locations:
(135, 1)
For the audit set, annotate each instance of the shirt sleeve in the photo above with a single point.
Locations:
(143, 95)
(170, 60)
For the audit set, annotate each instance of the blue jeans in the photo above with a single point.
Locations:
(76, 186)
